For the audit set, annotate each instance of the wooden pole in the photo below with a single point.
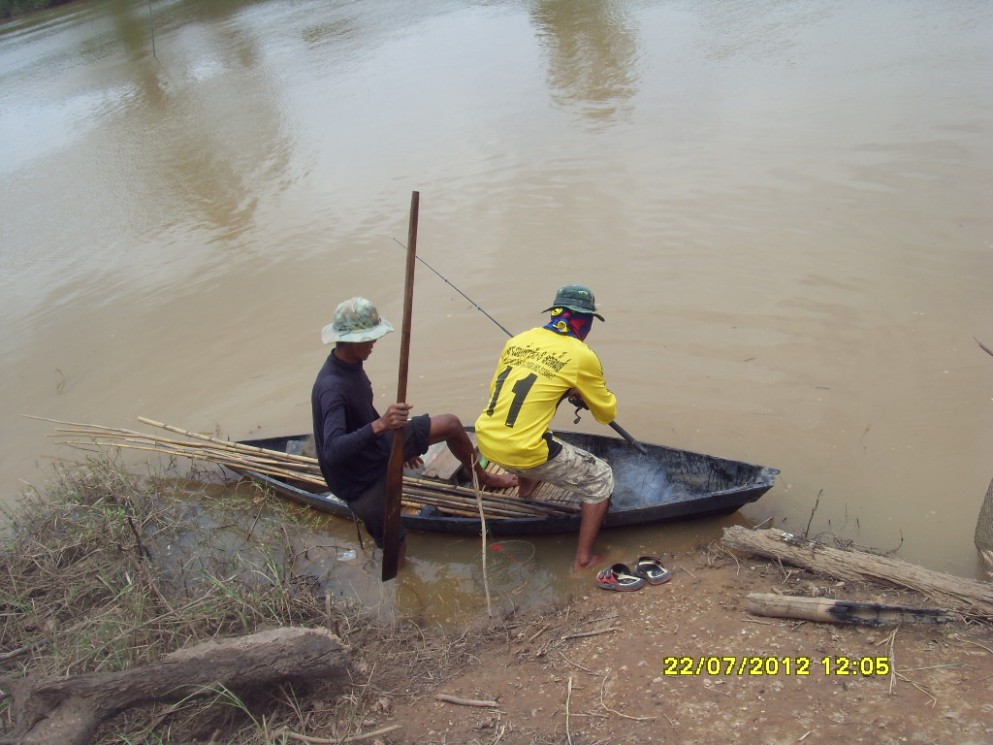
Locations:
(394, 474)
(856, 612)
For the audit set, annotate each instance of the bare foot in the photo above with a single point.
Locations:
(527, 487)
(590, 563)
(497, 480)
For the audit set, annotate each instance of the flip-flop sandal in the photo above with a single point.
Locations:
(619, 579)
(651, 570)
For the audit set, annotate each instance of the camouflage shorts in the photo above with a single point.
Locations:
(576, 471)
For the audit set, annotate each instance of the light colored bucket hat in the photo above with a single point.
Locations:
(355, 320)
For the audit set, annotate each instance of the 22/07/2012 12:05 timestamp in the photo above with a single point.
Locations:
(771, 665)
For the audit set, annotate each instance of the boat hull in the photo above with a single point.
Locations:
(660, 485)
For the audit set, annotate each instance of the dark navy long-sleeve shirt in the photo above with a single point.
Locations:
(351, 456)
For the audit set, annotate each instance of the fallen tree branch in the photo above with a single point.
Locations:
(23, 650)
(568, 700)
(581, 634)
(67, 710)
(955, 594)
(842, 611)
(466, 701)
(335, 740)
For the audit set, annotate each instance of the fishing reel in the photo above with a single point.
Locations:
(576, 400)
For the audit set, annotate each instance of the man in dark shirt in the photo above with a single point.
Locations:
(354, 441)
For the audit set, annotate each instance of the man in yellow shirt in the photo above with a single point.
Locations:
(537, 370)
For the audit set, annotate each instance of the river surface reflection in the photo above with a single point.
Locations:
(783, 208)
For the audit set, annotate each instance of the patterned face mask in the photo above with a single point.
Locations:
(570, 322)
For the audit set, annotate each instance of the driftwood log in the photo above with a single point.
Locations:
(67, 710)
(854, 612)
(956, 594)
(984, 534)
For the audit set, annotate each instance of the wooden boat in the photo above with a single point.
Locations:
(658, 485)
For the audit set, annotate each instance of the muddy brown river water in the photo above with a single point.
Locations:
(782, 207)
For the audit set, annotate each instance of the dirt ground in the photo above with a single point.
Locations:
(684, 663)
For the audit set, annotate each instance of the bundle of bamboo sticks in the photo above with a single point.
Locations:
(302, 470)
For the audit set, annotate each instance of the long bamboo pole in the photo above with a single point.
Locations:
(204, 451)
(241, 447)
(454, 500)
(535, 504)
(392, 543)
(228, 443)
(220, 459)
(195, 451)
(303, 470)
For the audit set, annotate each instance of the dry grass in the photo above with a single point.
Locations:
(107, 572)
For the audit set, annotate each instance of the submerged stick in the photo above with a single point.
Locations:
(482, 535)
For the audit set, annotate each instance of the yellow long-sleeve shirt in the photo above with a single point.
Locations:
(537, 369)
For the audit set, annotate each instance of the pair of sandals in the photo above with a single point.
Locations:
(621, 578)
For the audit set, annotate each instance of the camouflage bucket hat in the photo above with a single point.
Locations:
(575, 297)
(355, 320)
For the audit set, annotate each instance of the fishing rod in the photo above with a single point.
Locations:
(613, 425)
(473, 302)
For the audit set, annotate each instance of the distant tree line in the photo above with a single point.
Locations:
(11, 8)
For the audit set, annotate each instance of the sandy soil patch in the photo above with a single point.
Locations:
(683, 662)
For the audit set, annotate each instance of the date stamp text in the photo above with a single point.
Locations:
(713, 665)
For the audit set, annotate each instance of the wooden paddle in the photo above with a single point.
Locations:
(394, 473)
(628, 437)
